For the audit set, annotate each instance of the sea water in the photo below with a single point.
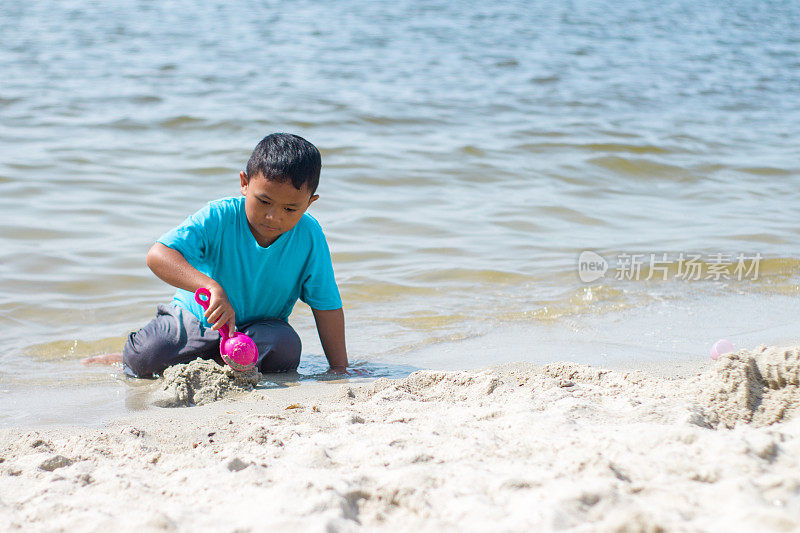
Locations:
(472, 152)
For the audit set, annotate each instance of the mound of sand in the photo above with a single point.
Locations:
(200, 382)
(759, 387)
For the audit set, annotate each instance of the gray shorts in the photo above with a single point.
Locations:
(175, 336)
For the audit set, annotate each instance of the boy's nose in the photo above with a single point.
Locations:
(271, 215)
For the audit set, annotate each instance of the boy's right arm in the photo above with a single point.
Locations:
(172, 267)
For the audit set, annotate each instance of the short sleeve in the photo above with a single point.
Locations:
(194, 236)
(319, 289)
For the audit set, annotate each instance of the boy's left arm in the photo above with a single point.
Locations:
(330, 326)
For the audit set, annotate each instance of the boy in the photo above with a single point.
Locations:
(257, 254)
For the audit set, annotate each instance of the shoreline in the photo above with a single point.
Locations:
(138, 396)
(505, 447)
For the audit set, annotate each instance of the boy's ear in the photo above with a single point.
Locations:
(312, 200)
(244, 179)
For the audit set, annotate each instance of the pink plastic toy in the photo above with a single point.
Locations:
(238, 350)
(721, 347)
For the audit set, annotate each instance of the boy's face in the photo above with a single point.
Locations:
(272, 207)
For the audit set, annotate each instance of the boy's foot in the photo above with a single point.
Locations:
(104, 359)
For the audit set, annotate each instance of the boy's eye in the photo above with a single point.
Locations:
(291, 210)
(264, 201)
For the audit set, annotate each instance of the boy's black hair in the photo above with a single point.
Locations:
(286, 157)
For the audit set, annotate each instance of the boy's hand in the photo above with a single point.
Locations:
(346, 371)
(172, 267)
(220, 311)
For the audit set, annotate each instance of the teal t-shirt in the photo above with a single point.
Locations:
(260, 282)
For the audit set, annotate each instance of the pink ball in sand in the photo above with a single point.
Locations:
(721, 347)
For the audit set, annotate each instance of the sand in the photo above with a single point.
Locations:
(758, 387)
(201, 382)
(516, 447)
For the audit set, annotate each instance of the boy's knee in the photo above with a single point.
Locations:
(278, 344)
(289, 346)
(285, 352)
(145, 355)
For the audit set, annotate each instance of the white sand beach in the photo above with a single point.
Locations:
(508, 448)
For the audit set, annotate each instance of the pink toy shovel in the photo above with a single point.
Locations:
(238, 350)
